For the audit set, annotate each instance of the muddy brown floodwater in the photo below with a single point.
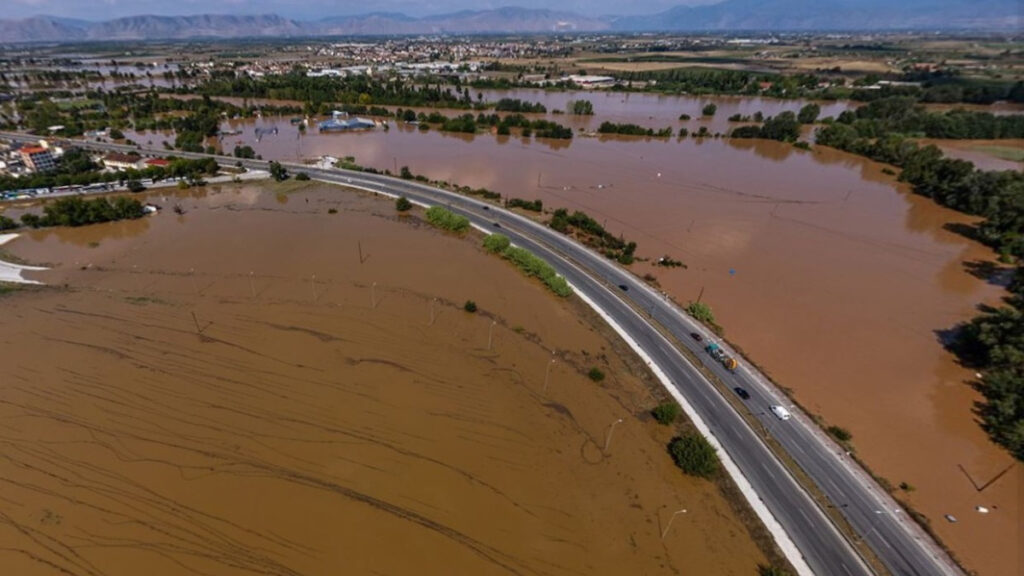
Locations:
(827, 272)
(309, 418)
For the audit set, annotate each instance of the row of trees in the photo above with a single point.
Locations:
(77, 211)
(633, 130)
(785, 127)
(593, 234)
(993, 342)
(517, 105)
(902, 114)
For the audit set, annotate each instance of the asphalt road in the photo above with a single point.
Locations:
(901, 545)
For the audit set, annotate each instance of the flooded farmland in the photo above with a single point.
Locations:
(263, 386)
(830, 275)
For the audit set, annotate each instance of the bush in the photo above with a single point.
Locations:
(595, 374)
(405, 173)
(302, 176)
(701, 311)
(403, 204)
(496, 243)
(709, 109)
(684, 116)
(447, 220)
(332, 210)
(469, 306)
(840, 433)
(766, 570)
(694, 455)
(666, 413)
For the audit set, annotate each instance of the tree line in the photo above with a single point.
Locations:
(993, 342)
(77, 211)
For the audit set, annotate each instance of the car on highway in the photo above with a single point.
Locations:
(495, 224)
(780, 412)
(696, 336)
(623, 287)
(742, 392)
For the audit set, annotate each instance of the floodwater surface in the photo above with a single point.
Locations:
(259, 386)
(828, 273)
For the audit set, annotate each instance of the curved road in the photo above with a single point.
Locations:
(895, 539)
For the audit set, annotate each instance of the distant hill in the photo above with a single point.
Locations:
(729, 15)
(796, 15)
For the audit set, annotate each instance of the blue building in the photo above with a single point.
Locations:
(340, 122)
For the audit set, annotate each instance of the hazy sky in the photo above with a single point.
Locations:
(310, 9)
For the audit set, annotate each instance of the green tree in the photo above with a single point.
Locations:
(278, 172)
(709, 109)
(402, 204)
(694, 455)
(469, 306)
(808, 113)
(582, 107)
(595, 374)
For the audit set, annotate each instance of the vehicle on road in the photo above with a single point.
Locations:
(623, 287)
(780, 412)
(717, 353)
(742, 392)
(696, 336)
(495, 224)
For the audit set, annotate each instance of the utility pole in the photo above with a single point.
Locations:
(490, 333)
(312, 286)
(701, 295)
(373, 295)
(252, 285)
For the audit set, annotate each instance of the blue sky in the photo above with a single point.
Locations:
(305, 9)
(311, 9)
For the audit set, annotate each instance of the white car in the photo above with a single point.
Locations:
(780, 412)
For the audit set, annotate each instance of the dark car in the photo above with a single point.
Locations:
(742, 393)
(696, 336)
(623, 287)
(496, 225)
(487, 207)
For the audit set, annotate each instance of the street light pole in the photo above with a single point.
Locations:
(547, 374)
(608, 440)
(490, 333)
(669, 525)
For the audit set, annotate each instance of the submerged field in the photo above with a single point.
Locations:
(237, 390)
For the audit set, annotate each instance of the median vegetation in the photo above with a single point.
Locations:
(528, 263)
(445, 219)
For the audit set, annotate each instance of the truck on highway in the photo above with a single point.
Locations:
(717, 353)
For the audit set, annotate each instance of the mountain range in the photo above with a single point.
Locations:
(729, 15)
